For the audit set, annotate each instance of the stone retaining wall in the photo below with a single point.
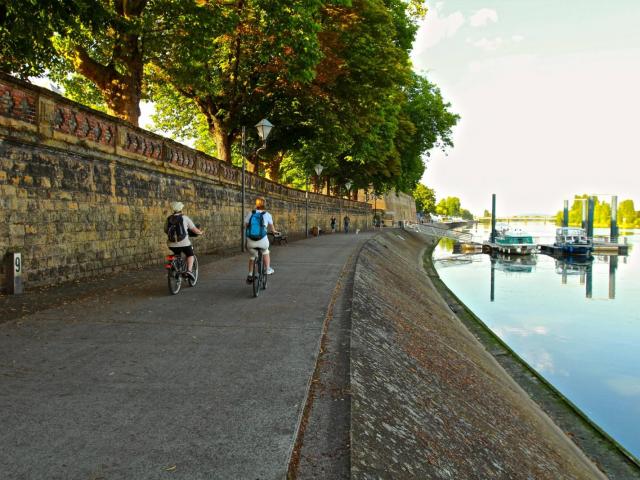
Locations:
(428, 401)
(83, 193)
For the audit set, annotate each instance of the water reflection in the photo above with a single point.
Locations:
(581, 267)
(613, 266)
(514, 263)
(577, 266)
(509, 264)
(449, 244)
(547, 310)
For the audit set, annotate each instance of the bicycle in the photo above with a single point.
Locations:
(259, 274)
(177, 270)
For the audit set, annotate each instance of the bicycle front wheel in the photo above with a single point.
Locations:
(195, 272)
(174, 280)
(256, 276)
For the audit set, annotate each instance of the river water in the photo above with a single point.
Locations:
(577, 324)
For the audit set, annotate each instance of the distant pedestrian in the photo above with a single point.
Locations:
(347, 222)
(333, 224)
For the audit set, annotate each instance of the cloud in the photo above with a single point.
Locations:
(522, 331)
(542, 362)
(436, 28)
(493, 44)
(488, 44)
(503, 99)
(482, 17)
(626, 385)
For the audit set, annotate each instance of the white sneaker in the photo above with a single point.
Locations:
(270, 271)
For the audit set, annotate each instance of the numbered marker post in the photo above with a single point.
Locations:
(15, 273)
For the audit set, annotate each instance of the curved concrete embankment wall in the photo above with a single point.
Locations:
(83, 193)
(428, 401)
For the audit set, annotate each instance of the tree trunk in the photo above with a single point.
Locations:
(223, 140)
(126, 90)
(274, 167)
(122, 89)
(255, 161)
(123, 100)
(122, 92)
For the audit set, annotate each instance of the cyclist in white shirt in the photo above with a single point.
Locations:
(263, 243)
(183, 245)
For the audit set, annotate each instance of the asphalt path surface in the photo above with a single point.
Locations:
(129, 382)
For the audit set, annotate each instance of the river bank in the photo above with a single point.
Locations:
(430, 400)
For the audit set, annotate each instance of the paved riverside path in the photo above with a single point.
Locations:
(133, 383)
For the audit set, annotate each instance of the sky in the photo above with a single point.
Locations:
(549, 97)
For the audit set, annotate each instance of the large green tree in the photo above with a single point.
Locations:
(426, 123)
(627, 214)
(575, 211)
(425, 198)
(333, 75)
(371, 118)
(103, 41)
(449, 206)
(25, 28)
(229, 58)
(360, 94)
(361, 113)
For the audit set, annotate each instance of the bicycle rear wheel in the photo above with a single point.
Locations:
(174, 280)
(256, 276)
(194, 270)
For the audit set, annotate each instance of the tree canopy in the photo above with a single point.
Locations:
(627, 216)
(334, 76)
(102, 41)
(451, 207)
(425, 198)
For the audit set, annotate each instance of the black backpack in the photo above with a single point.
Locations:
(175, 228)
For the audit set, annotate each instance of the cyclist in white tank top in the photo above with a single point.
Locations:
(263, 243)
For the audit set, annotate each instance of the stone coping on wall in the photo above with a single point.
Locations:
(58, 120)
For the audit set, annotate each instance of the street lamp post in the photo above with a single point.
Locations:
(347, 185)
(318, 168)
(264, 129)
(306, 208)
(244, 168)
(375, 213)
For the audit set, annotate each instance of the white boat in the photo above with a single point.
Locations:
(573, 241)
(513, 241)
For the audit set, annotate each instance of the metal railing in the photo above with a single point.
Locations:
(436, 231)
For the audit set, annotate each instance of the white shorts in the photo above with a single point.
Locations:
(263, 243)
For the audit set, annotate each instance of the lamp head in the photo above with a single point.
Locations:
(348, 184)
(264, 127)
(318, 168)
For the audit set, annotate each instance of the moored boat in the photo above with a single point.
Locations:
(573, 241)
(513, 241)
